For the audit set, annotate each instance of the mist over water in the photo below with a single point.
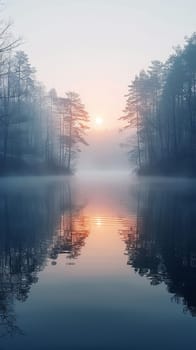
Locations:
(102, 255)
(104, 153)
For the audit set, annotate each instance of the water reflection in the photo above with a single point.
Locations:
(71, 233)
(162, 244)
(76, 257)
(36, 222)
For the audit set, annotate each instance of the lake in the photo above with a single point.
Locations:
(106, 261)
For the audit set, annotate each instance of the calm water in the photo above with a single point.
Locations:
(97, 263)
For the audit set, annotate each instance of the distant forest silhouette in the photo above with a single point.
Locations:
(40, 132)
(161, 107)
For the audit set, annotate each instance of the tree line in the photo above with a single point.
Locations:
(161, 110)
(39, 130)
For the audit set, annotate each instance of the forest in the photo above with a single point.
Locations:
(161, 114)
(40, 132)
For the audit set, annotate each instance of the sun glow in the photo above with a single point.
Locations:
(98, 121)
(98, 221)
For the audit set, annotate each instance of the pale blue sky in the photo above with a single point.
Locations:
(97, 46)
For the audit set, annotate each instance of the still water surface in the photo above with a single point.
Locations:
(100, 262)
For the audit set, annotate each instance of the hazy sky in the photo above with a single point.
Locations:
(97, 46)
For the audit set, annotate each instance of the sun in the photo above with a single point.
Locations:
(98, 121)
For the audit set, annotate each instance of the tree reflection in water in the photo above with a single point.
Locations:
(161, 243)
(72, 231)
(31, 220)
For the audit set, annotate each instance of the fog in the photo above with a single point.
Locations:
(104, 152)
